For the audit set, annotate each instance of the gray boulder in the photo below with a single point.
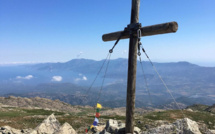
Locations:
(181, 126)
(9, 130)
(112, 126)
(116, 127)
(48, 126)
(187, 126)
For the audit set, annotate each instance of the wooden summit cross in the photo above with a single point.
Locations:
(131, 33)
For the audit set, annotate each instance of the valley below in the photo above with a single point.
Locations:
(78, 82)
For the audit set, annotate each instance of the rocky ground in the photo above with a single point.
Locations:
(35, 116)
(52, 126)
(49, 126)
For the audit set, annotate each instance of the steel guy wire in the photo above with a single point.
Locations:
(146, 84)
(163, 82)
(104, 78)
(96, 76)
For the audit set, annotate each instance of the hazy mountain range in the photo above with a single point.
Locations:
(71, 80)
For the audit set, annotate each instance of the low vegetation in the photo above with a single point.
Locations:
(30, 118)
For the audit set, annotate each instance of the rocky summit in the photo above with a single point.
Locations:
(52, 126)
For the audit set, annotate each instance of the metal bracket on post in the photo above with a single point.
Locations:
(132, 28)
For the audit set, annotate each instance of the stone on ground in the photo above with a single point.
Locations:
(48, 126)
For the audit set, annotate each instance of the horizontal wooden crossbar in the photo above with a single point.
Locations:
(170, 27)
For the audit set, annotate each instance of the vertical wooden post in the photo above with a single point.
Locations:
(132, 66)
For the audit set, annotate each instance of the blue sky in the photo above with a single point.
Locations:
(61, 30)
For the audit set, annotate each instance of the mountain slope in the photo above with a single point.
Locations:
(37, 102)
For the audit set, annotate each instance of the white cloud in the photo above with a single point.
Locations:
(79, 79)
(57, 78)
(28, 77)
(84, 78)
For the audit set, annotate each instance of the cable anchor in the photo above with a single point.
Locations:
(111, 51)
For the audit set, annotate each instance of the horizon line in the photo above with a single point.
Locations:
(209, 64)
